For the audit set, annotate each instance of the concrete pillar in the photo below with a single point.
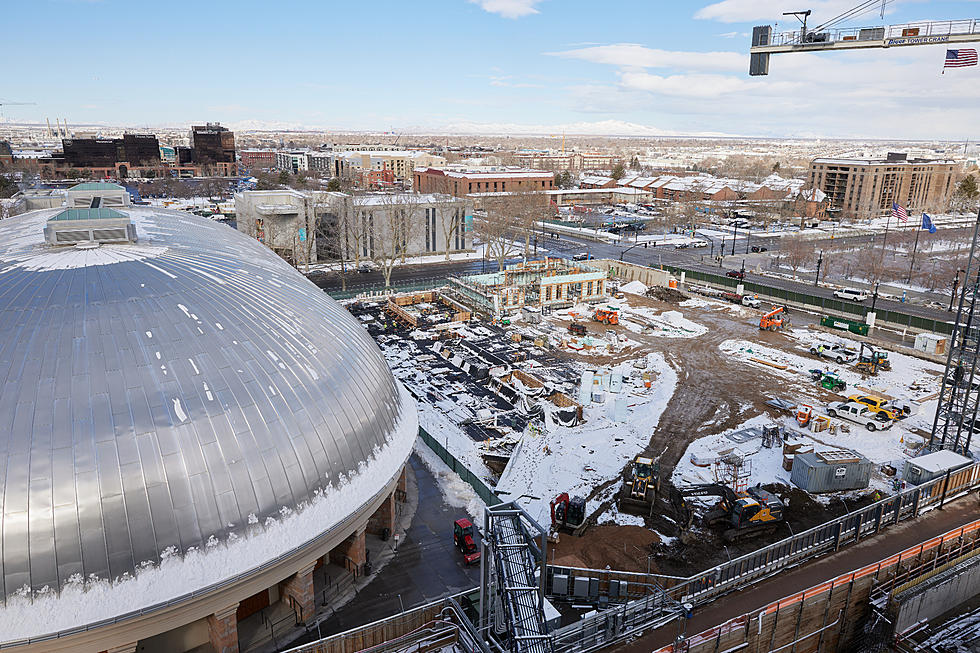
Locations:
(223, 630)
(351, 553)
(299, 588)
(384, 517)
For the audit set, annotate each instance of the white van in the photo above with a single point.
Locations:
(851, 293)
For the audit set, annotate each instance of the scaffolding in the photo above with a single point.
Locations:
(959, 395)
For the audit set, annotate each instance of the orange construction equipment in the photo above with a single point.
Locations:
(804, 413)
(769, 321)
(606, 316)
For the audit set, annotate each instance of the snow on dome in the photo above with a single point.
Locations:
(166, 400)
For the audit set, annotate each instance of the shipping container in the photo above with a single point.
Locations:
(859, 328)
(831, 471)
(933, 465)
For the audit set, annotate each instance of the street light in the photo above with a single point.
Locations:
(734, 235)
(816, 280)
(956, 282)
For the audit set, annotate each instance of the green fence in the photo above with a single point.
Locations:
(893, 318)
(468, 477)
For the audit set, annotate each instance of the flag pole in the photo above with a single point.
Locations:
(914, 248)
(888, 221)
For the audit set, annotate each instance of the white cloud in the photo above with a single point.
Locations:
(509, 8)
(740, 11)
(635, 55)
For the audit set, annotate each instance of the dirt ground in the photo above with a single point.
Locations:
(712, 396)
(629, 546)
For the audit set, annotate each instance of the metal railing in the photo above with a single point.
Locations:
(919, 30)
(617, 623)
(826, 538)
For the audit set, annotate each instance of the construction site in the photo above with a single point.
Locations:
(667, 433)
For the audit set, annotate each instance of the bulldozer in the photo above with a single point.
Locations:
(769, 321)
(606, 316)
(639, 492)
(742, 514)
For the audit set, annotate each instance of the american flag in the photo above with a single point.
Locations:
(960, 58)
(898, 211)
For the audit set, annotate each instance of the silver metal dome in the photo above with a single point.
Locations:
(156, 394)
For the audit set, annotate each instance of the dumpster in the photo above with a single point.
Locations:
(860, 328)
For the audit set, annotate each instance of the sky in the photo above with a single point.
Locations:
(633, 67)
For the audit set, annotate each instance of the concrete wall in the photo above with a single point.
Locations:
(633, 272)
(937, 594)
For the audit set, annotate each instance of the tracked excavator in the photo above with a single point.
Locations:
(754, 511)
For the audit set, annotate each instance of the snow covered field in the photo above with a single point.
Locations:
(577, 459)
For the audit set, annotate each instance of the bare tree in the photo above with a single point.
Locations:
(497, 229)
(528, 208)
(797, 252)
(394, 227)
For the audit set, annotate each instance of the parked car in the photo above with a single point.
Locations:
(682, 245)
(736, 274)
(699, 243)
(882, 409)
(852, 294)
(758, 248)
(839, 353)
(366, 266)
(581, 256)
(857, 413)
(752, 301)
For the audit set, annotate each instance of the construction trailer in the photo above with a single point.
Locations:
(831, 471)
(933, 465)
(546, 284)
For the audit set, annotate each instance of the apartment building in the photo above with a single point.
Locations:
(866, 188)
(460, 181)
(352, 164)
(573, 161)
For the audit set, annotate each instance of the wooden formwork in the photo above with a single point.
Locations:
(400, 314)
(828, 616)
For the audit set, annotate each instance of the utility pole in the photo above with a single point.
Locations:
(816, 279)
(734, 234)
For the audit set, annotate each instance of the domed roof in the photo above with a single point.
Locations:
(157, 395)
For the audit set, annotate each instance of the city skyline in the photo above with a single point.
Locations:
(527, 66)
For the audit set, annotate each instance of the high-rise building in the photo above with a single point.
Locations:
(866, 188)
(212, 143)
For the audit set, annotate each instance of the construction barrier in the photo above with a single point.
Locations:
(468, 477)
(826, 538)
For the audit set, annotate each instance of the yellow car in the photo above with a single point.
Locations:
(878, 406)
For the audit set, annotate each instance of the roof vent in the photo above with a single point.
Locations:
(92, 225)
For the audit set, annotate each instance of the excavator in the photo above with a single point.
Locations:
(639, 492)
(567, 513)
(754, 511)
(606, 316)
(769, 321)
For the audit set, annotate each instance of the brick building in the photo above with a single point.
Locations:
(866, 188)
(461, 181)
(254, 160)
(574, 161)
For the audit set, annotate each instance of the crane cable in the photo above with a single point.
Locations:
(854, 12)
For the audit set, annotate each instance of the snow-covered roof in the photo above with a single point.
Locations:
(940, 461)
(201, 373)
(595, 180)
(489, 172)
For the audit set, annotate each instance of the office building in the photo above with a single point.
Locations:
(462, 180)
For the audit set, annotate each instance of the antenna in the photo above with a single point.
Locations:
(805, 14)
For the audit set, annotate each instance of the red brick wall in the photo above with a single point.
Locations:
(223, 631)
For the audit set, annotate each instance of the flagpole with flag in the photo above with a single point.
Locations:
(925, 226)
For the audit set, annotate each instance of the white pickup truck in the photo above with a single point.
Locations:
(838, 352)
(859, 414)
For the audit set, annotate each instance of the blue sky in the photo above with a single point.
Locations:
(644, 67)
